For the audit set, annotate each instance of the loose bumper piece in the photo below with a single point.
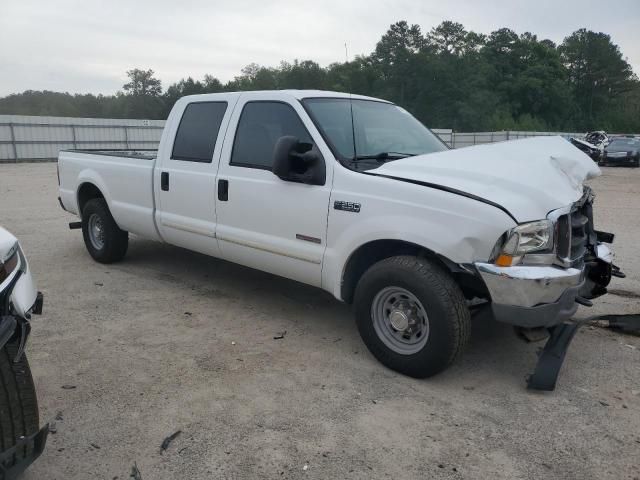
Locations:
(552, 356)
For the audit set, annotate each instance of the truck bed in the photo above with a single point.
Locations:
(124, 178)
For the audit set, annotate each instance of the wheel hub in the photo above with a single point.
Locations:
(96, 231)
(400, 320)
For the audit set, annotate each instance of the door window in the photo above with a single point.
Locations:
(198, 131)
(260, 126)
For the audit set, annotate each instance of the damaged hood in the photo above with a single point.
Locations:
(528, 177)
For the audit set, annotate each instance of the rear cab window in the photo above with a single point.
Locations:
(196, 136)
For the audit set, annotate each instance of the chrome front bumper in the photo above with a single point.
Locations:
(528, 286)
(535, 296)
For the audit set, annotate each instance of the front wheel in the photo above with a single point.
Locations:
(412, 315)
(18, 406)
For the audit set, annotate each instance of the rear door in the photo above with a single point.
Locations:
(264, 222)
(187, 166)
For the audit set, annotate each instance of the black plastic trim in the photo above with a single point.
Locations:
(61, 204)
(37, 306)
(8, 326)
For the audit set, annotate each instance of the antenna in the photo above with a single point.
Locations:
(346, 53)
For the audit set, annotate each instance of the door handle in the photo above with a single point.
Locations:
(164, 181)
(223, 190)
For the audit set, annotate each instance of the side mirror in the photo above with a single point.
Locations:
(296, 161)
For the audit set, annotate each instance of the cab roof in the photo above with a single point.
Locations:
(297, 94)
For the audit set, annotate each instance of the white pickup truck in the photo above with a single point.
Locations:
(353, 195)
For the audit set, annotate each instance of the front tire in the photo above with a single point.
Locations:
(103, 238)
(411, 315)
(18, 405)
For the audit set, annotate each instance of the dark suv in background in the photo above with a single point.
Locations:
(622, 151)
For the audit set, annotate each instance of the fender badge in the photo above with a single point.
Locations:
(346, 206)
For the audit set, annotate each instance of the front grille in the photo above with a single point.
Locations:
(579, 223)
(575, 231)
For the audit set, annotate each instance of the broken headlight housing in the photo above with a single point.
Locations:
(525, 239)
(9, 263)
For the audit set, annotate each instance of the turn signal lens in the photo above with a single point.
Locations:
(504, 260)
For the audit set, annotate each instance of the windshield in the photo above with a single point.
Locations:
(368, 133)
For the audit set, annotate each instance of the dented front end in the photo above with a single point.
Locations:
(580, 245)
(544, 290)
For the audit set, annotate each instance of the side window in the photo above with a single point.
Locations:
(198, 130)
(260, 126)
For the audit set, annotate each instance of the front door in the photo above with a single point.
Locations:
(264, 222)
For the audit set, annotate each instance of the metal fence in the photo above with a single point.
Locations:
(30, 138)
(460, 140)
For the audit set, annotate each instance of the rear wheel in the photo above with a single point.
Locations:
(18, 404)
(103, 238)
(412, 315)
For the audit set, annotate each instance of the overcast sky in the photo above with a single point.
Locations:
(87, 45)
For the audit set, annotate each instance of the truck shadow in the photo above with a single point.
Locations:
(494, 350)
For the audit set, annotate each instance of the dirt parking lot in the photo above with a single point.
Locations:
(172, 340)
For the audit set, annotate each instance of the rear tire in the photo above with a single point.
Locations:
(103, 238)
(18, 404)
(392, 294)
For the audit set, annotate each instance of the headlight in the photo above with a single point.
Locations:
(533, 237)
(9, 263)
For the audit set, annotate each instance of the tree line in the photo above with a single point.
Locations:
(448, 78)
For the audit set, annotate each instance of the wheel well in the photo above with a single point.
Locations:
(372, 252)
(86, 192)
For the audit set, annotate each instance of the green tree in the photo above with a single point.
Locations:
(597, 72)
(305, 74)
(452, 38)
(144, 91)
(395, 57)
(143, 83)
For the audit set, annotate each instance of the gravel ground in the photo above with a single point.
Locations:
(172, 340)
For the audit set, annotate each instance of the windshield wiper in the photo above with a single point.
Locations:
(383, 156)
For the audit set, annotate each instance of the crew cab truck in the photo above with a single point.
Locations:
(354, 195)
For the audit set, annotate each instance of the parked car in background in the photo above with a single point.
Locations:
(21, 439)
(594, 152)
(354, 195)
(622, 151)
